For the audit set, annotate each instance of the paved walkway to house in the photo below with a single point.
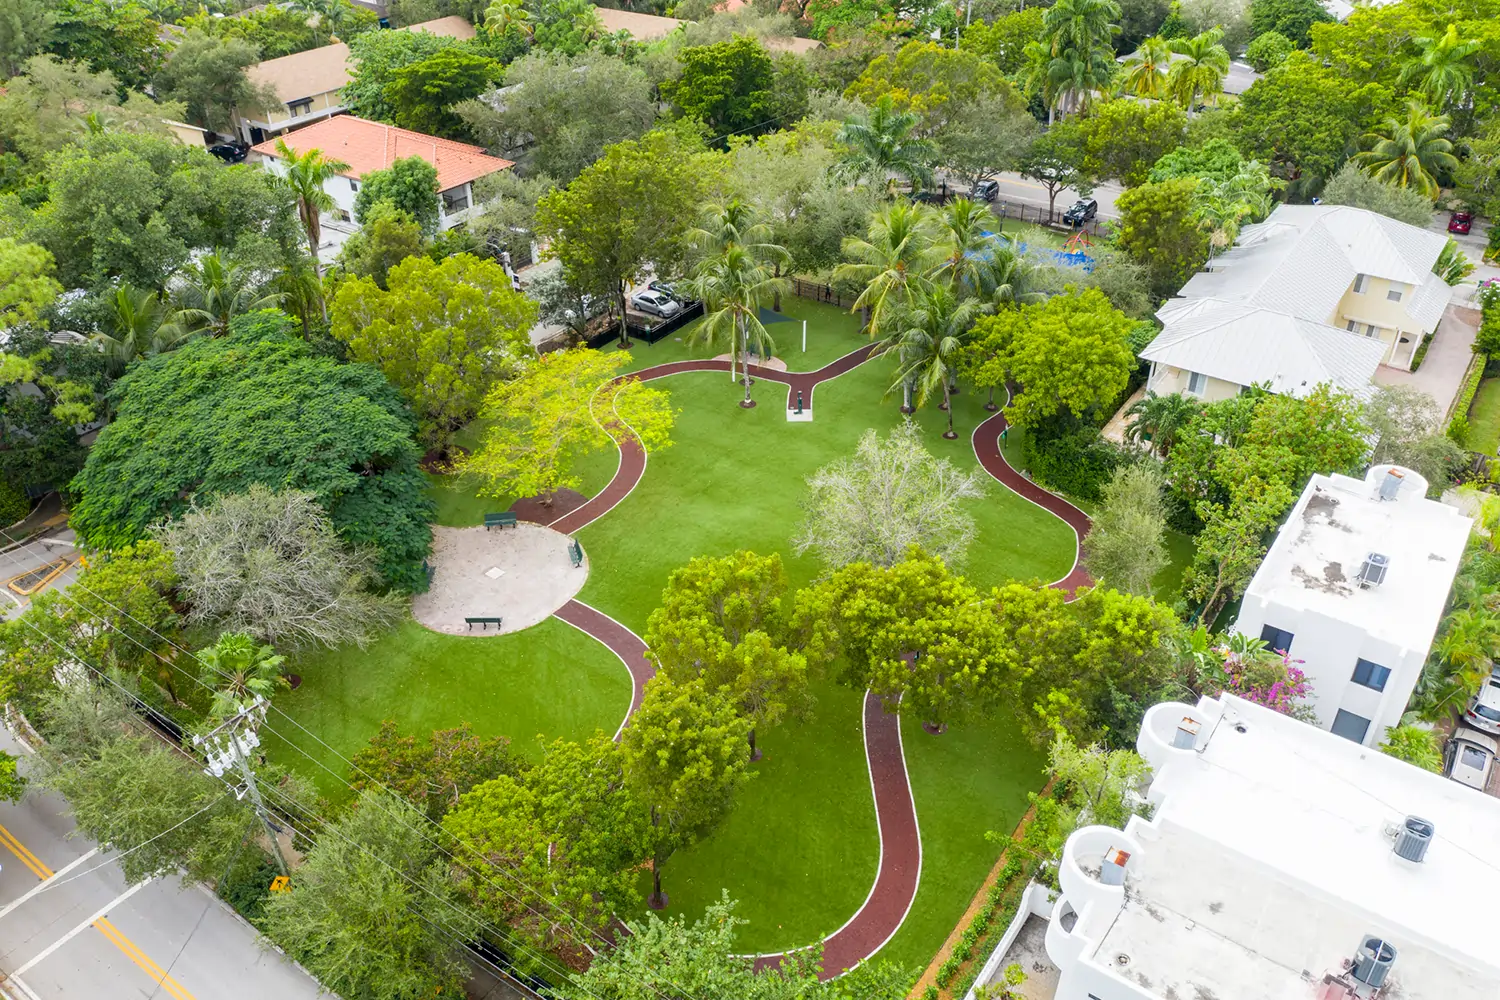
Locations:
(521, 574)
(1447, 359)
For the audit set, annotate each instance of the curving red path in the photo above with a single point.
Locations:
(899, 871)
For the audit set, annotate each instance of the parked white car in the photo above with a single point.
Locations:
(1469, 758)
(1484, 711)
(655, 303)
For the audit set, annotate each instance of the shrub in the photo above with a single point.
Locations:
(1078, 463)
(13, 503)
(1268, 51)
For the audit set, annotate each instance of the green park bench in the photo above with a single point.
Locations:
(484, 623)
(575, 553)
(504, 520)
(429, 571)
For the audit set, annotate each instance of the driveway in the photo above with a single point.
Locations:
(1448, 355)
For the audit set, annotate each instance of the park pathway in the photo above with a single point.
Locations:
(899, 871)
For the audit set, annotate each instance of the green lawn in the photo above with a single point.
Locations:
(832, 332)
(550, 680)
(1484, 418)
(799, 850)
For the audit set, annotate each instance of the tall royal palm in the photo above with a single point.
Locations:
(736, 224)
(927, 341)
(1443, 71)
(880, 147)
(211, 293)
(1080, 24)
(1069, 79)
(1200, 70)
(1411, 152)
(1146, 70)
(132, 327)
(900, 250)
(306, 174)
(734, 285)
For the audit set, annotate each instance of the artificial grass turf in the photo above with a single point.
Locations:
(1484, 418)
(800, 849)
(972, 779)
(550, 680)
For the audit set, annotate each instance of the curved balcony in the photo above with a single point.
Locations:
(1170, 729)
(1094, 864)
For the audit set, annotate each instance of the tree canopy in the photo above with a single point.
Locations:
(219, 414)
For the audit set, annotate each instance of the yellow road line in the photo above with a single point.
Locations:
(103, 926)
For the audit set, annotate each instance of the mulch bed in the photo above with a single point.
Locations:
(532, 509)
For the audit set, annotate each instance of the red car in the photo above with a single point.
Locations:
(1460, 222)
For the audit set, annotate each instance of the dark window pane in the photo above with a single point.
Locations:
(1350, 726)
(1277, 639)
(1371, 675)
(1474, 757)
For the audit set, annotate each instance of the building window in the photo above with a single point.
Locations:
(1197, 383)
(1275, 638)
(1394, 295)
(1350, 726)
(1371, 675)
(1361, 281)
(455, 200)
(353, 184)
(299, 108)
(1352, 326)
(1372, 330)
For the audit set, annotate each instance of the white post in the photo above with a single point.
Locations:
(804, 336)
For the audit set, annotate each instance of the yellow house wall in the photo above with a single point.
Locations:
(1169, 380)
(1373, 307)
(320, 102)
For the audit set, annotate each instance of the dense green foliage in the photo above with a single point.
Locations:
(217, 415)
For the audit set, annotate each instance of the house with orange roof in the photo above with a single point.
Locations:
(368, 146)
(309, 84)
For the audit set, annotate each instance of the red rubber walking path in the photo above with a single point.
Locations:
(900, 869)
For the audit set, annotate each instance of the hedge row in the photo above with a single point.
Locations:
(1458, 426)
(1000, 906)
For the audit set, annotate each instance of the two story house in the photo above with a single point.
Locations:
(1316, 293)
(368, 146)
(309, 84)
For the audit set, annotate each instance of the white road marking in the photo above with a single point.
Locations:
(48, 882)
(100, 914)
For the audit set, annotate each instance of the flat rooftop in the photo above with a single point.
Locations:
(1316, 558)
(1270, 864)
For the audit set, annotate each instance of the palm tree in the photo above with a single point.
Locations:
(733, 285)
(502, 15)
(735, 224)
(901, 248)
(306, 173)
(1443, 72)
(968, 263)
(1410, 153)
(1082, 25)
(212, 293)
(881, 147)
(240, 672)
(1146, 70)
(1069, 79)
(1201, 70)
(301, 292)
(1162, 417)
(927, 341)
(1223, 203)
(133, 327)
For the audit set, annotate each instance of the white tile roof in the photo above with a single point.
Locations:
(1303, 258)
(1250, 345)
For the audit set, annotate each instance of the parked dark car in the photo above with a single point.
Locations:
(230, 152)
(1460, 222)
(1081, 212)
(985, 190)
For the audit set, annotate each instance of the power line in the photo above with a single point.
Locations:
(568, 917)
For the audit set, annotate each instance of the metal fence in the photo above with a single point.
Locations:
(820, 292)
(650, 334)
(1037, 215)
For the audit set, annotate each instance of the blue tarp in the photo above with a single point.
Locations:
(772, 316)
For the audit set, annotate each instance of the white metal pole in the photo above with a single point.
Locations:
(804, 336)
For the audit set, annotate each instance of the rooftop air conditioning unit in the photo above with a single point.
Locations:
(1373, 961)
(1390, 484)
(1372, 571)
(1413, 837)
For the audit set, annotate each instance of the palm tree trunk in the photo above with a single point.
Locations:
(746, 403)
(906, 406)
(776, 300)
(950, 433)
(755, 753)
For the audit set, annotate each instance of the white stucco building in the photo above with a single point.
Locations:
(1354, 585)
(1269, 870)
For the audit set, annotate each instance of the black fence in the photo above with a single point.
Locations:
(820, 292)
(650, 334)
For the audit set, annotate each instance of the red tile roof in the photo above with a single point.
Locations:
(367, 146)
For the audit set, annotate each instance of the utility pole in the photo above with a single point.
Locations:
(231, 744)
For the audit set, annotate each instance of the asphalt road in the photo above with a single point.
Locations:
(70, 928)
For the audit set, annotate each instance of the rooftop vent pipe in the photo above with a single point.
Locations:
(1373, 961)
(1186, 736)
(1390, 485)
(1413, 837)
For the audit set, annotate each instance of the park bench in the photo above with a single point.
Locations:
(429, 570)
(483, 622)
(506, 519)
(575, 553)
